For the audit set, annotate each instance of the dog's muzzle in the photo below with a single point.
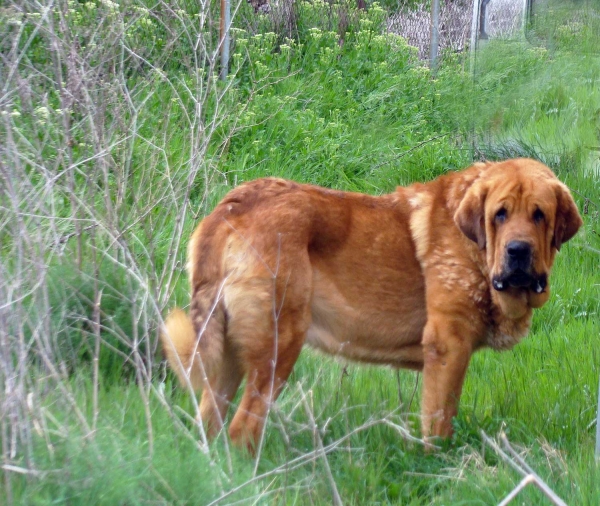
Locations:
(518, 270)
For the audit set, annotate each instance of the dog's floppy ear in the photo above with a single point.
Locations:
(470, 215)
(567, 220)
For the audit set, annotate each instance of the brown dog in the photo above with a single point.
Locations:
(420, 278)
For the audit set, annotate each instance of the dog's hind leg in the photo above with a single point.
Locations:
(269, 329)
(267, 376)
(220, 387)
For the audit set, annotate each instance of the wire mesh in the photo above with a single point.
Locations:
(504, 18)
(414, 23)
(500, 18)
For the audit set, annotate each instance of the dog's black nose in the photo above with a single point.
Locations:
(519, 255)
(519, 250)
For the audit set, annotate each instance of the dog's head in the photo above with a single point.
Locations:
(520, 214)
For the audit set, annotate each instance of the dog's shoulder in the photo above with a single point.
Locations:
(431, 206)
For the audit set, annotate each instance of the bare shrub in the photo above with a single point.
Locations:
(108, 149)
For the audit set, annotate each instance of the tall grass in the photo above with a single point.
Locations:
(117, 137)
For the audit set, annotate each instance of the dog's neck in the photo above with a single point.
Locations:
(507, 329)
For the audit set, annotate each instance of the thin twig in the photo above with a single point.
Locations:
(96, 359)
(519, 465)
(515, 491)
(22, 470)
(336, 499)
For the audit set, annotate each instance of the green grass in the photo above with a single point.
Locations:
(364, 115)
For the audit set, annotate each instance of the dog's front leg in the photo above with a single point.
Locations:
(446, 352)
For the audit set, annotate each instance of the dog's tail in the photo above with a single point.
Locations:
(194, 344)
(180, 344)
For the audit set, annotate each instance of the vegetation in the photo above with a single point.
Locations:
(117, 137)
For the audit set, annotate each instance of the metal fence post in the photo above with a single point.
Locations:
(474, 30)
(435, 33)
(526, 14)
(224, 38)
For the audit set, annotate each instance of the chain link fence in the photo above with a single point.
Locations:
(461, 24)
(490, 18)
(414, 23)
(502, 18)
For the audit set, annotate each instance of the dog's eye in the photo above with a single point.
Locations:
(538, 216)
(501, 215)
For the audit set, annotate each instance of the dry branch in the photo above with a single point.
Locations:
(515, 461)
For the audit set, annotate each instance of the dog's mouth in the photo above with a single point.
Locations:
(520, 279)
